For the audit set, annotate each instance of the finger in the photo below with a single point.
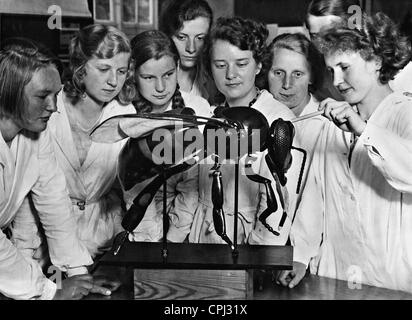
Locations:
(341, 117)
(330, 108)
(344, 113)
(79, 293)
(328, 111)
(296, 279)
(323, 103)
(112, 285)
(283, 279)
(86, 284)
(101, 290)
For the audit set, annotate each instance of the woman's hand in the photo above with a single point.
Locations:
(291, 278)
(79, 286)
(343, 115)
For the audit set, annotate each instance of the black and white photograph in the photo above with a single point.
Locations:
(213, 156)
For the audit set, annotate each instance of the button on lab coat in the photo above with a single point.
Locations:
(29, 166)
(99, 220)
(354, 222)
(95, 206)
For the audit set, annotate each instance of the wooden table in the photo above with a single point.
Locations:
(194, 271)
(311, 288)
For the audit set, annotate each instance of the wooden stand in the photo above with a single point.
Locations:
(196, 271)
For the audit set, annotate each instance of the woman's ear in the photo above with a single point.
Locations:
(258, 68)
(374, 65)
(378, 63)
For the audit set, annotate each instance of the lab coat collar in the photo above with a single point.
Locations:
(113, 108)
(312, 106)
(60, 128)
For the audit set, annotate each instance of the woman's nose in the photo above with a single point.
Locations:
(190, 46)
(52, 104)
(160, 85)
(231, 72)
(337, 78)
(287, 82)
(112, 80)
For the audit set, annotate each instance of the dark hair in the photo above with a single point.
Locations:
(175, 12)
(299, 43)
(338, 8)
(246, 34)
(19, 60)
(153, 44)
(102, 42)
(379, 37)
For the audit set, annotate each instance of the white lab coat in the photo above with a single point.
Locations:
(403, 80)
(354, 222)
(99, 219)
(307, 132)
(252, 196)
(91, 182)
(29, 167)
(182, 195)
(203, 85)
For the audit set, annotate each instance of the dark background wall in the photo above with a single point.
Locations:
(282, 12)
(399, 10)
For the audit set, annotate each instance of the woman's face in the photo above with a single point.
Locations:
(234, 71)
(315, 24)
(105, 78)
(354, 77)
(289, 79)
(156, 81)
(190, 40)
(40, 96)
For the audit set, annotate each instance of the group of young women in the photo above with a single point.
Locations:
(61, 202)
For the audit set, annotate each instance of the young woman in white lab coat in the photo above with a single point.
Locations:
(323, 14)
(99, 86)
(188, 23)
(237, 51)
(354, 219)
(30, 175)
(155, 61)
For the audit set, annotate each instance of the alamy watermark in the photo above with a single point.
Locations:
(189, 145)
(355, 20)
(55, 20)
(354, 276)
(56, 276)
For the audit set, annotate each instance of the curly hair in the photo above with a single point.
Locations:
(246, 34)
(299, 43)
(153, 44)
(102, 42)
(19, 60)
(378, 38)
